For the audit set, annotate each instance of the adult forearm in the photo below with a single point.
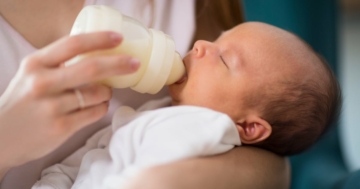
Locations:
(6, 159)
(2, 173)
(243, 167)
(4, 168)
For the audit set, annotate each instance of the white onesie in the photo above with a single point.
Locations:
(140, 139)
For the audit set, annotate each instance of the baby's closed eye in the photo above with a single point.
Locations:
(222, 59)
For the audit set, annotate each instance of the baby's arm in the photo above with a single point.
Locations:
(180, 133)
(62, 175)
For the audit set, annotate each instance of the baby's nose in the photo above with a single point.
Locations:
(200, 48)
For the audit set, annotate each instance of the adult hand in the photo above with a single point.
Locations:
(40, 108)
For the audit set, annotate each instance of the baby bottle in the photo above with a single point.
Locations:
(160, 64)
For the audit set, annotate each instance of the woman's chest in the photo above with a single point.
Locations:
(40, 22)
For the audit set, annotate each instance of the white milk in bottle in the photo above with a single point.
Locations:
(160, 63)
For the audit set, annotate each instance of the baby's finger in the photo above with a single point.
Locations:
(93, 69)
(68, 47)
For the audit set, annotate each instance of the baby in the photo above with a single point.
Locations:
(280, 94)
(255, 85)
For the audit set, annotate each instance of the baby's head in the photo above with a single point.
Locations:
(279, 92)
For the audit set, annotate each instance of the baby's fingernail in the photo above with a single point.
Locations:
(115, 37)
(135, 63)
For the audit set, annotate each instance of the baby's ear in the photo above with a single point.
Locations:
(253, 130)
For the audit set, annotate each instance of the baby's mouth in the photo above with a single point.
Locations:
(182, 79)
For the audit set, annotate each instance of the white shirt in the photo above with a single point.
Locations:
(141, 139)
(174, 17)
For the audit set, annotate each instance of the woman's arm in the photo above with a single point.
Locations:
(242, 167)
(40, 109)
(4, 168)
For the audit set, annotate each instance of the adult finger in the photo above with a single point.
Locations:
(90, 70)
(68, 47)
(79, 119)
(91, 95)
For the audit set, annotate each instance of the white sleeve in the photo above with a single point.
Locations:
(184, 133)
(181, 132)
(62, 175)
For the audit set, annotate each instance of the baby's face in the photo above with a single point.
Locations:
(242, 61)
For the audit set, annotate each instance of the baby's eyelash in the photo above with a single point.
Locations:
(223, 61)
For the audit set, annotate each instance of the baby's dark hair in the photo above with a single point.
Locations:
(299, 113)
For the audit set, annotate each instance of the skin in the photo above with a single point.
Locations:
(241, 62)
(40, 89)
(35, 21)
(197, 173)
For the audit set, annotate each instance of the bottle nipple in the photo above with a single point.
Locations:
(177, 70)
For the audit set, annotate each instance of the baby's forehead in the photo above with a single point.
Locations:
(274, 38)
(275, 48)
(262, 31)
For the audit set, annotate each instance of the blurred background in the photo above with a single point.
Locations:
(332, 28)
(349, 70)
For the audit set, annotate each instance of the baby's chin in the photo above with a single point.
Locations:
(175, 103)
(174, 91)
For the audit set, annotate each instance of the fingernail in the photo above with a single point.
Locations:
(135, 63)
(115, 37)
